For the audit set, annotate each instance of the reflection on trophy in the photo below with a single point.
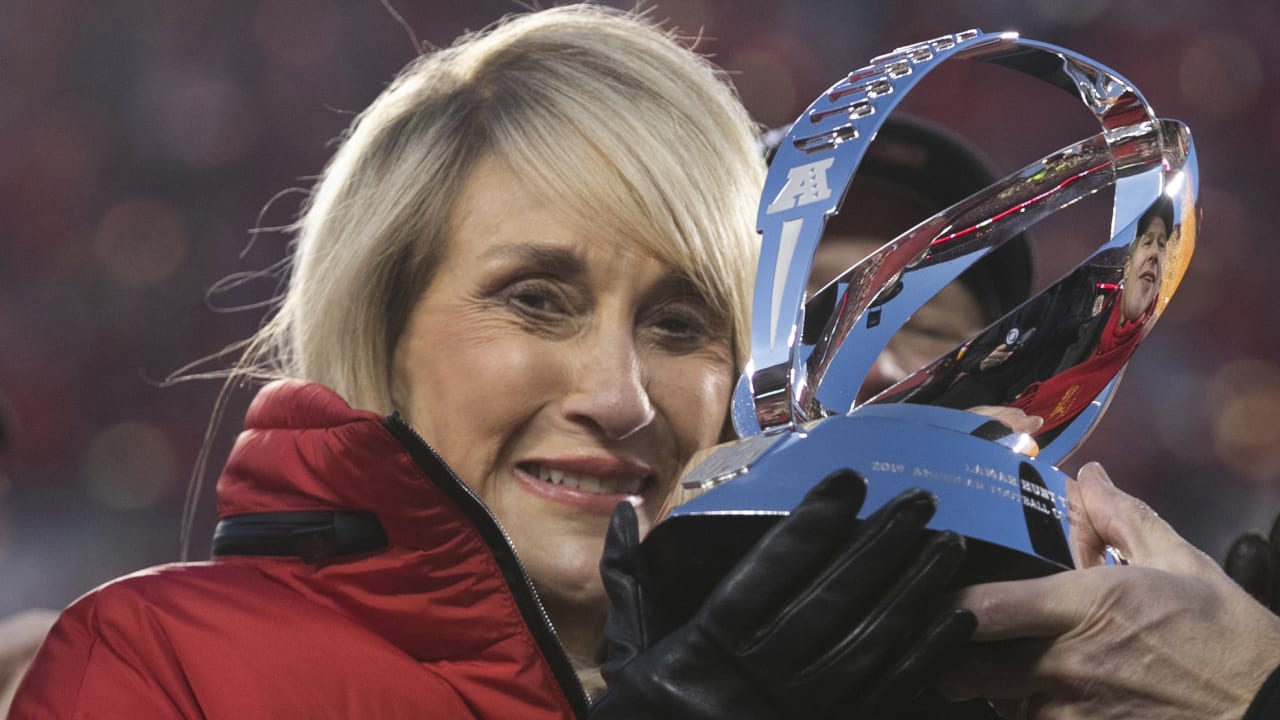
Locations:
(1092, 322)
(1059, 356)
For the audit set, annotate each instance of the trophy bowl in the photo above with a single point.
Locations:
(1058, 356)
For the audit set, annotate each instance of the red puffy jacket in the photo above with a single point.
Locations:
(441, 622)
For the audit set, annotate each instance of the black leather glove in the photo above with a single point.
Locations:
(1253, 561)
(824, 617)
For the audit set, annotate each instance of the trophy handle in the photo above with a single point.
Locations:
(795, 376)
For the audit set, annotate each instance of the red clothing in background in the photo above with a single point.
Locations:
(1062, 397)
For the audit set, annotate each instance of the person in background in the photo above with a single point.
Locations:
(1056, 353)
(913, 169)
(1100, 347)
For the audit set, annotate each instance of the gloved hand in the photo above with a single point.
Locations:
(1253, 561)
(823, 617)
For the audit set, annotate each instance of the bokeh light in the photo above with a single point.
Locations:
(1220, 75)
(1074, 13)
(198, 117)
(129, 466)
(141, 241)
(299, 32)
(1172, 413)
(1244, 402)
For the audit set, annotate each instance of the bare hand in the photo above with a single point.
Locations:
(1013, 418)
(1167, 636)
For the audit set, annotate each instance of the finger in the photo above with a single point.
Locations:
(622, 572)
(1132, 527)
(1040, 607)
(621, 559)
(999, 671)
(1008, 709)
(1274, 594)
(1087, 547)
(1037, 707)
(941, 645)
(1274, 535)
(1014, 418)
(863, 641)
(836, 601)
(1251, 563)
(786, 557)
(1049, 707)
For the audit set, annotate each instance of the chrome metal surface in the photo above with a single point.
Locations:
(796, 376)
(1059, 355)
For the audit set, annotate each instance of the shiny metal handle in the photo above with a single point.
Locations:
(789, 380)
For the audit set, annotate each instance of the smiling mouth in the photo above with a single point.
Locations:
(586, 483)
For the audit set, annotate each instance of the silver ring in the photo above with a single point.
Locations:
(1115, 557)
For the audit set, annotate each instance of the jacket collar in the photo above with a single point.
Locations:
(305, 449)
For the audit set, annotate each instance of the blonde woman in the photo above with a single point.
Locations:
(516, 302)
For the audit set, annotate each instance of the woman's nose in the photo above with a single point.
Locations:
(610, 393)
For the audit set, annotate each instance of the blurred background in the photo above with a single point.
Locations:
(142, 141)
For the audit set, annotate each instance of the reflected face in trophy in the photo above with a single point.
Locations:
(1144, 270)
(559, 372)
(948, 319)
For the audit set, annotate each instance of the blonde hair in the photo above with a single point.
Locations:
(604, 112)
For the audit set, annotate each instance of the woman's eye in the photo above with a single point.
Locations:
(536, 298)
(682, 325)
(679, 325)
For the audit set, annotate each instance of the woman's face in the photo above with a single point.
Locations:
(559, 372)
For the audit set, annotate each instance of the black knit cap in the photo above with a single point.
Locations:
(942, 168)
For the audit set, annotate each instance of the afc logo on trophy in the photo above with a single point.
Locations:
(805, 184)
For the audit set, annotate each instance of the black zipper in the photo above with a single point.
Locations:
(513, 571)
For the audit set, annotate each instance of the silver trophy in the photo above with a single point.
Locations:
(1059, 355)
